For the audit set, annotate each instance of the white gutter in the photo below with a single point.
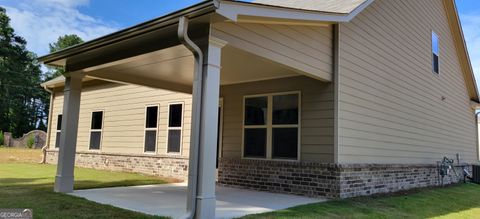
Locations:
(196, 110)
(49, 125)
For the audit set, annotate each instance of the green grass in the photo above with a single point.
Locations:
(29, 185)
(461, 201)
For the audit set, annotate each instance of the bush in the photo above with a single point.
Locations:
(30, 141)
(1, 138)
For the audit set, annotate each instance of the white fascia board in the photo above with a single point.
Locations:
(234, 10)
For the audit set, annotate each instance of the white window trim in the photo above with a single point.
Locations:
(57, 131)
(168, 128)
(96, 130)
(269, 126)
(145, 129)
(431, 52)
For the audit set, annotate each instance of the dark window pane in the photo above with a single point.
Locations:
(152, 117)
(175, 116)
(435, 63)
(255, 143)
(59, 122)
(97, 118)
(174, 137)
(285, 143)
(150, 140)
(95, 140)
(57, 140)
(256, 110)
(285, 109)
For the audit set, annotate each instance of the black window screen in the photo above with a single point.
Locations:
(57, 139)
(150, 140)
(59, 122)
(175, 115)
(174, 139)
(285, 143)
(255, 140)
(97, 118)
(152, 117)
(95, 137)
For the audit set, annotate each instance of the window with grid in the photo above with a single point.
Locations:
(59, 131)
(96, 128)
(174, 129)
(271, 126)
(151, 129)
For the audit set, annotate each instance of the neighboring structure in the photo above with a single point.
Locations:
(320, 98)
(34, 139)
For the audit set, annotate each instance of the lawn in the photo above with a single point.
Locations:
(460, 201)
(26, 184)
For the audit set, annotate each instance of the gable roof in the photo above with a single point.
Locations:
(331, 11)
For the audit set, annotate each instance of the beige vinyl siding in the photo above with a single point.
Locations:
(390, 106)
(304, 48)
(124, 116)
(316, 115)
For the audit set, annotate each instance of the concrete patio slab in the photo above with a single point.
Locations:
(170, 199)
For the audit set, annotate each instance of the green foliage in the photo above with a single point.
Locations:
(2, 138)
(22, 105)
(30, 141)
(63, 42)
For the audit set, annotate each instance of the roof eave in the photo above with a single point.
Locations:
(58, 58)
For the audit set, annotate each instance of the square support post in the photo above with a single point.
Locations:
(206, 199)
(68, 137)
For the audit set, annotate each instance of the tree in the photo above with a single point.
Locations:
(63, 42)
(20, 76)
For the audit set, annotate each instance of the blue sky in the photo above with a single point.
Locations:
(42, 21)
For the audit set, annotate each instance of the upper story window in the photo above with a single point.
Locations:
(435, 53)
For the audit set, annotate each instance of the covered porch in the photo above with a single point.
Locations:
(198, 52)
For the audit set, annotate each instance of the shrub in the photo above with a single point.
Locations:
(30, 141)
(1, 138)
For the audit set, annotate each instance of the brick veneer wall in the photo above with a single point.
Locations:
(157, 165)
(300, 178)
(327, 180)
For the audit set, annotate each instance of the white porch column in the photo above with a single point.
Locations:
(68, 138)
(208, 130)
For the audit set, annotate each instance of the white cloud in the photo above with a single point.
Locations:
(41, 22)
(471, 27)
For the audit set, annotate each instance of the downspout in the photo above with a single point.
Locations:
(196, 110)
(49, 126)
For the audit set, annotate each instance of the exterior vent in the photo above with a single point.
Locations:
(476, 174)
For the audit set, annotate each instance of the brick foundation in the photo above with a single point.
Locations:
(327, 180)
(156, 165)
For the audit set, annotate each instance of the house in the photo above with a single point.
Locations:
(320, 98)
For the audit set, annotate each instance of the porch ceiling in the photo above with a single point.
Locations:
(173, 68)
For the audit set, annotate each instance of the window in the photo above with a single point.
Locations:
(174, 130)
(435, 53)
(59, 131)
(96, 130)
(271, 126)
(151, 127)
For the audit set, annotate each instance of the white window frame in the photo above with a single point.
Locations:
(58, 131)
(96, 130)
(168, 128)
(145, 129)
(269, 126)
(432, 52)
